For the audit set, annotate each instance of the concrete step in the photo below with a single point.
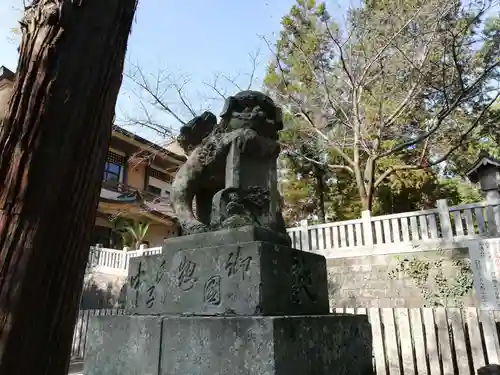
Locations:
(76, 368)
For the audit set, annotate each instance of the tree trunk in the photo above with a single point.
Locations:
(369, 180)
(320, 194)
(54, 141)
(363, 196)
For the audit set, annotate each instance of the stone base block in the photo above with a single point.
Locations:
(123, 345)
(298, 345)
(225, 237)
(248, 278)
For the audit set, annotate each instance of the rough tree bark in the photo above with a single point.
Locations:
(54, 140)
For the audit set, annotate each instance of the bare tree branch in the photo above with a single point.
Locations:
(446, 155)
(147, 121)
(441, 116)
(331, 166)
(155, 90)
(386, 45)
(214, 87)
(342, 58)
(183, 99)
(221, 90)
(391, 170)
(304, 114)
(253, 58)
(386, 90)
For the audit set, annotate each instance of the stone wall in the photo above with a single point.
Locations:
(364, 281)
(358, 281)
(103, 291)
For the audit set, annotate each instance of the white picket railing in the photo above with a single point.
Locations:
(115, 262)
(405, 341)
(444, 225)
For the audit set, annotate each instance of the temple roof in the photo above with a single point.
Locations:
(133, 201)
(175, 152)
(6, 73)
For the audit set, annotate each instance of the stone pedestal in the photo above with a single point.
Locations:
(259, 345)
(232, 302)
(243, 279)
(492, 369)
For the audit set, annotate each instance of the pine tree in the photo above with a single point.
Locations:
(307, 188)
(405, 87)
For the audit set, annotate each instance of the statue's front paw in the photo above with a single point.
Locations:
(237, 221)
(193, 227)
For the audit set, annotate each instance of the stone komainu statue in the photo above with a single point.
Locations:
(247, 119)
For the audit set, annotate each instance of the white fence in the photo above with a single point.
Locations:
(442, 226)
(432, 341)
(405, 341)
(115, 262)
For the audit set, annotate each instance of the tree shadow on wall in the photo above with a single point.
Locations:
(336, 298)
(122, 296)
(96, 297)
(333, 287)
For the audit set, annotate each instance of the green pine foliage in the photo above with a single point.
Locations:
(388, 111)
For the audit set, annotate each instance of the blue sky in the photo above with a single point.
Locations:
(199, 39)
(195, 38)
(191, 40)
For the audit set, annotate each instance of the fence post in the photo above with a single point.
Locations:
(366, 216)
(98, 255)
(304, 236)
(124, 257)
(444, 219)
(140, 250)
